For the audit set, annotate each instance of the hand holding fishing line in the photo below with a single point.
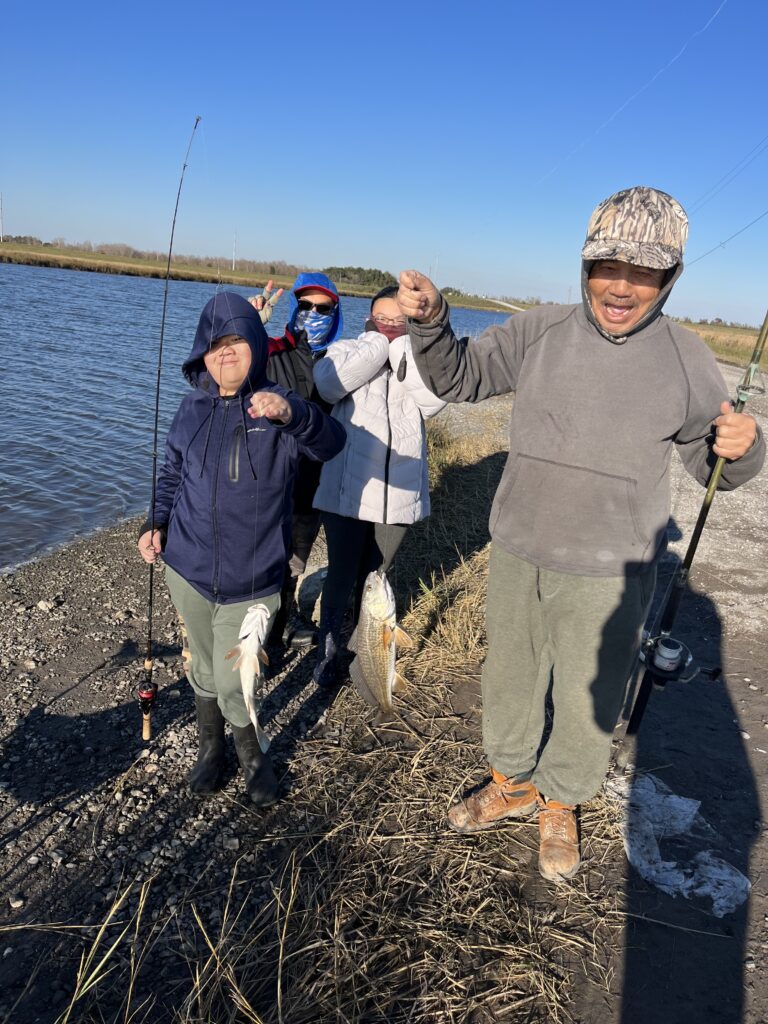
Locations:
(418, 297)
(735, 433)
(266, 302)
(271, 405)
(150, 549)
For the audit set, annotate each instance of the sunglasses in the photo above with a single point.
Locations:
(319, 307)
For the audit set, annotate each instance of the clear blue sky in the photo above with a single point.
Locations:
(472, 139)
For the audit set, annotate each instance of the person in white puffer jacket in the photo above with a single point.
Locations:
(378, 484)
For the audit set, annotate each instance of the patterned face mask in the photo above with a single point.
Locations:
(316, 325)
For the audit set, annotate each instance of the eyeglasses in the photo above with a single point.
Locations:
(389, 322)
(319, 307)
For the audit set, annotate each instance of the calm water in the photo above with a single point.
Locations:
(79, 353)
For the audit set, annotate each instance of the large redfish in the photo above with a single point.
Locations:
(377, 635)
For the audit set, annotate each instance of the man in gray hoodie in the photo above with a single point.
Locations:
(603, 391)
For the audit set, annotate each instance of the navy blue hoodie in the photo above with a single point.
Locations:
(225, 489)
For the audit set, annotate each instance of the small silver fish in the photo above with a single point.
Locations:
(377, 635)
(250, 656)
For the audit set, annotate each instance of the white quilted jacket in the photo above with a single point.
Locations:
(381, 474)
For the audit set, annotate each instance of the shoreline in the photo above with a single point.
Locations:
(106, 265)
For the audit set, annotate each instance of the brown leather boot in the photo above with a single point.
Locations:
(559, 855)
(500, 798)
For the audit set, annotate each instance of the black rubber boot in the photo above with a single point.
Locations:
(206, 777)
(279, 627)
(260, 778)
(326, 671)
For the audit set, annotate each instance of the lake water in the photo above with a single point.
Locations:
(79, 357)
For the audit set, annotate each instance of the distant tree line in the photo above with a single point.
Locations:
(360, 277)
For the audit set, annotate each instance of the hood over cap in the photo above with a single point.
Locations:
(639, 225)
(227, 313)
(320, 283)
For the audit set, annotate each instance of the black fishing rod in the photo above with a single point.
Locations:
(666, 659)
(147, 691)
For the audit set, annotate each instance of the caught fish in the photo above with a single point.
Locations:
(377, 635)
(249, 653)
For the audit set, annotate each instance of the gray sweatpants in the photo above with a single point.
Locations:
(212, 631)
(582, 633)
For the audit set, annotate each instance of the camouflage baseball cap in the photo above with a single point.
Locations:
(638, 225)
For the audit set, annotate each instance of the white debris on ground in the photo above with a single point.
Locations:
(651, 814)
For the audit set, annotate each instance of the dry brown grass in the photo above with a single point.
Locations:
(365, 908)
(731, 344)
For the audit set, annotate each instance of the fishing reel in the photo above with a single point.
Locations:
(667, 660)
(147, 692)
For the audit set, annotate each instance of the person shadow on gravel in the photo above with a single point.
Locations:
(684, 951)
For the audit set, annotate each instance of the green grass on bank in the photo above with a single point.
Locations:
(211, 270)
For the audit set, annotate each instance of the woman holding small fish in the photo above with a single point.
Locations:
(222, 519)
(378, 484)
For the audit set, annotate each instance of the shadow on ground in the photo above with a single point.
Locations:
(681, 962)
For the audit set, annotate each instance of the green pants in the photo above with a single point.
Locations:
(212, 631)
(582, 634)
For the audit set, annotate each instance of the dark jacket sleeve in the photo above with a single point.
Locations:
(459, 372)
(317, 435)
(290, 365)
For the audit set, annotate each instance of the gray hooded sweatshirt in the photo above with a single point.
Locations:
(586, 486)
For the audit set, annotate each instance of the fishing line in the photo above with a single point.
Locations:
(147, 687)
(631, 98)
(729, 176)
(722, 245)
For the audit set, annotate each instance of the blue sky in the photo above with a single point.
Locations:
(469, 139)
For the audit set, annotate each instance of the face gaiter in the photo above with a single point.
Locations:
(317, 327)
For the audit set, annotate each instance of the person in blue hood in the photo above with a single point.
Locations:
(222, 517)
(315, 322)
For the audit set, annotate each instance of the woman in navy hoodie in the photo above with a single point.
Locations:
(222, 517)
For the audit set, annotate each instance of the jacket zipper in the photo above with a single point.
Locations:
(214, 519)
(389, 447)
(234, 455)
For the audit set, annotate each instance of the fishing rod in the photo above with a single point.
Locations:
(665, 658)
(147, 691)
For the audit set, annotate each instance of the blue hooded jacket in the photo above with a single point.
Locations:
(224, 492)
(320, 283)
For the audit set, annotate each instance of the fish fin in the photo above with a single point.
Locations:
(402, 639)
(400, 683)
(357, 677)
(235, 653)
(263, 656)
(352, 642)
(263, 738)
(387, 634)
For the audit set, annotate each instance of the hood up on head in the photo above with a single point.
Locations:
(228, 313)
(321, 283)
(639, 225)
(667, 284)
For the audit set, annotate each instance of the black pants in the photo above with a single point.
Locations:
(355, 548)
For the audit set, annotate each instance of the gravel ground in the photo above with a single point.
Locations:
(87, 807)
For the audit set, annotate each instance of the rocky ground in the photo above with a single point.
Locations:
(88, 808)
